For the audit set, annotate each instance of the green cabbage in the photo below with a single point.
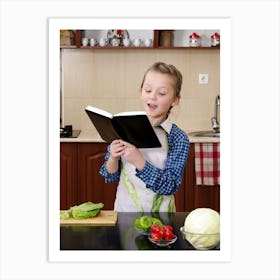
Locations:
(202, 228)
(80, 214)
(65, 214)
(83, 211)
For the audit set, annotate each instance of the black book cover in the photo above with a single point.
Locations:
(132, 127)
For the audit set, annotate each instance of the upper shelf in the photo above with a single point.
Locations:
(154, 39)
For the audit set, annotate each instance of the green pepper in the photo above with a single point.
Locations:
(143, 222)
(156, 221)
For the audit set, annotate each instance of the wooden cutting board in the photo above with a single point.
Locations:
(104, 218)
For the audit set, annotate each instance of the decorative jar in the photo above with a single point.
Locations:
(194, 40)
(116, 36)
(215, 39)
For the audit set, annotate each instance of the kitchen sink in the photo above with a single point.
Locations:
(208, 133)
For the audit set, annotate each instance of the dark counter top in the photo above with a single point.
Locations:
(92, 136)
(122, 236)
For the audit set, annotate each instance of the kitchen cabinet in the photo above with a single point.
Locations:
(158, 41)
(91, 184)
(80, 180)
(79, 175)
(68, 175)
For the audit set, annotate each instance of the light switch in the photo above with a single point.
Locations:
(203, 78)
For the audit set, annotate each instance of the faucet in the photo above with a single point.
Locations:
(214, 120)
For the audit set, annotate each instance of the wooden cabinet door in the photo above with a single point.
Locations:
(180, 197)
(68, 175)
(91, 185)
(207, 196)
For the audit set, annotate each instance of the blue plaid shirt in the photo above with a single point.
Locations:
(162, 181)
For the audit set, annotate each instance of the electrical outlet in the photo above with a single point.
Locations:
(203, 79)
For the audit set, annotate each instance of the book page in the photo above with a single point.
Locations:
(99, 111)
(132, 113)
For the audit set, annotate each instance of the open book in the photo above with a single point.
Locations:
(133, 127)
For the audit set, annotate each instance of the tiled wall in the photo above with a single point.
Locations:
(110, 79)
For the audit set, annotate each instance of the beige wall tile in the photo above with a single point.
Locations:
(110, 79)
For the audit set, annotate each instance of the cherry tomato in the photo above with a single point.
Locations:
(155, 228)
(155, 236)
(167, 227)
(168, 235)
(161, 233)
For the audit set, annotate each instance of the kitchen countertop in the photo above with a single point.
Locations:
(122, 236)
(93, 136)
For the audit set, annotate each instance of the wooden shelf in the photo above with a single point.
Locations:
(112, 47)
(189, 48)
(68, 47)
(141, 48)
(156, 44)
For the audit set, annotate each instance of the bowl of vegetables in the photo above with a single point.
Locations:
(202, 241)
(157, 232)
(202, 228)
(162, 236)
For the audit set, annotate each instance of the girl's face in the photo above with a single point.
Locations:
(158, 95)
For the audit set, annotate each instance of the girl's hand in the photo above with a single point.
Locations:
(133, 155)
(117, 149)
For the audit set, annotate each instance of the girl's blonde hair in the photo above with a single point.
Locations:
(170, 70)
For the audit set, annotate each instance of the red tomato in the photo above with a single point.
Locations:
(167, 227)
(161, 233)
(155, 228)
(168, 235)
(155, 236)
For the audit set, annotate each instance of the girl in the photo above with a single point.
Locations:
(149, 178)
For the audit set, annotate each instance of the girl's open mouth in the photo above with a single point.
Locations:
(152, 106)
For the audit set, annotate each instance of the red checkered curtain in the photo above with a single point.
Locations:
(207, 164)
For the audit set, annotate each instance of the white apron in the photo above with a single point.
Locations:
(132, 194)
